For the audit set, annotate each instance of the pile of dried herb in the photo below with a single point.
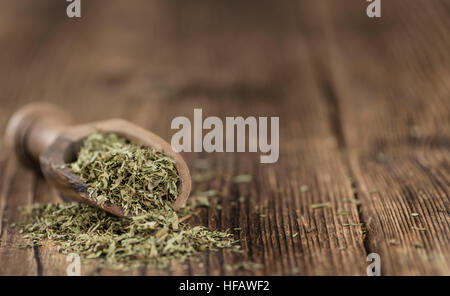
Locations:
(154, 238)
(135, 178)
(143, 182)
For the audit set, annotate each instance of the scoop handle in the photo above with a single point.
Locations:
(33, 128)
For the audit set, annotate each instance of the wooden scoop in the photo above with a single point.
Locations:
(41, 136)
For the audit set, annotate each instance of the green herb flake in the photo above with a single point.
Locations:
(203, 176)
(353, 201)
(321, 205)
(393, 242)
(242, 179)
(419, 245)
(304, 188)
(342, 213)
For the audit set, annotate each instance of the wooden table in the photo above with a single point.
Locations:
(364, 107)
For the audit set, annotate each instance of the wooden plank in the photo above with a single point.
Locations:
(16, 190)
(254, 76)
(16, 183)
(390, 80)
(269, 239)
(269, 60)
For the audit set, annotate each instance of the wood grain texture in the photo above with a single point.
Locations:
(395, 117)
(363, 106)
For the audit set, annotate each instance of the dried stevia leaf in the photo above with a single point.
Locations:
(143, 182)
(155, 238)
(135, 178)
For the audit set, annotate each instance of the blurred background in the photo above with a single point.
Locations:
(361, 100)
(160, 59)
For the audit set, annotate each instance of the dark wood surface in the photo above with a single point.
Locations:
(364, 107)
